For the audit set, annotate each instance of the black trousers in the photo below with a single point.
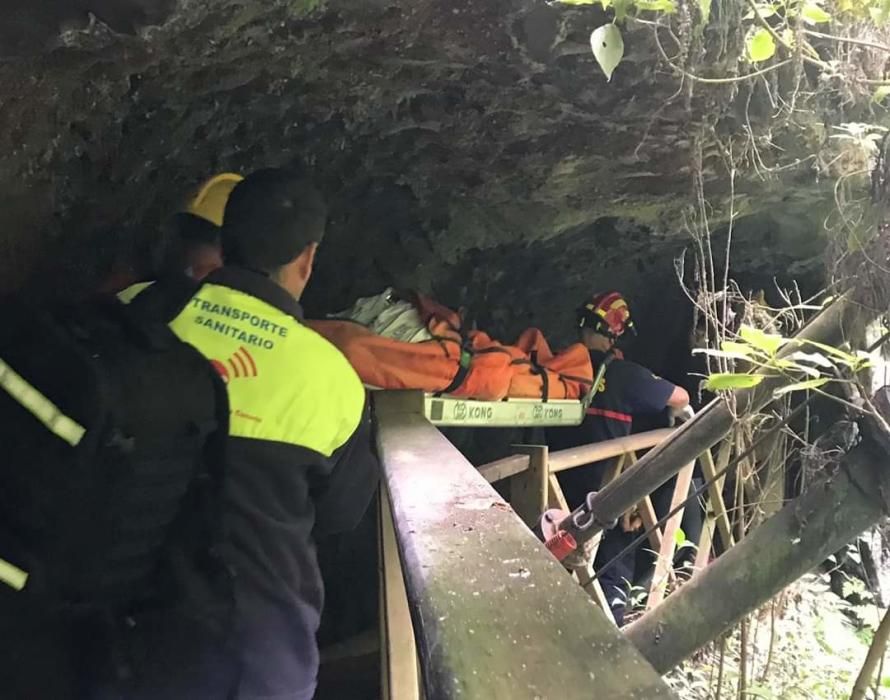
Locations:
(627, 568)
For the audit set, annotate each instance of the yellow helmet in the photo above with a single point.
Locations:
(210, 202)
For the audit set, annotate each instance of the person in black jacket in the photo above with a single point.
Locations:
(627, 389)
(299, 461)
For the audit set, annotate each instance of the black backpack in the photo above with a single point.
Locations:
(105, 420)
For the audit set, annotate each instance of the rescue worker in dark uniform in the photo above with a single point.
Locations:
(299, 462)
(626, 389)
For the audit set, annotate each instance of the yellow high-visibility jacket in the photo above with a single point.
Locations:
(299, 460)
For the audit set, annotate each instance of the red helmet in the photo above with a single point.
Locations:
(607, 313)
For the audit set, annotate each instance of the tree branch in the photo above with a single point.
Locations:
(711, 81)
(848, 40)
(875, 654)
(813, 58)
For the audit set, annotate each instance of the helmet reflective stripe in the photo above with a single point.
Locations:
(608, 313)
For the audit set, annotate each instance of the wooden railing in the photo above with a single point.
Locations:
(533, 471)
(473, 605)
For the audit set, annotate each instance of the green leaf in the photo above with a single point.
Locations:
(845, 357)
(881, 93)
(766, 342)
(740, 348)
(800, 386)
(622, 7)
(666, 6)
(761, 46)
(608, 48)
(813, 14)
(797, 367)
(723, 354)
(879, 15)
(722, 382)
(704, 7)
(679, 536)
(816, 358)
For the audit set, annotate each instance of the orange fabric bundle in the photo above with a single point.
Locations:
(491, 372)
(566, 375)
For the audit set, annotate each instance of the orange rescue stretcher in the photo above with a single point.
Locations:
(461, 363)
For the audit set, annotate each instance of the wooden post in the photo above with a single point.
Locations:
(664, 564)
(703, 553)
(770, 557)
(528, 490)
(647, 513)
(555, 497)
(844, 317)
(715, 497)
(398, 649)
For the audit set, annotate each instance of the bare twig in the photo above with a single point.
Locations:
(848, 40)
(743, 659)
(720, 668)
(874, 656)
(772, 642)
(712, 81)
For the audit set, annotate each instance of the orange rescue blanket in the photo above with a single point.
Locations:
(469, 364)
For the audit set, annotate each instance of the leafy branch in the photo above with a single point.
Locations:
(769, 26)
(759, 350)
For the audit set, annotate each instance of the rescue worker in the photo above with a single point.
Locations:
(626, 389)
(199, 226)
(298, 459)
(201, 245)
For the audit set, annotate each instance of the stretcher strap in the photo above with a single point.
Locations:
(463, 369)
(542, 372)
(40, 406)
(465, 361)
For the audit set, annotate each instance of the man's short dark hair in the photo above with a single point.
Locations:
(270, 218)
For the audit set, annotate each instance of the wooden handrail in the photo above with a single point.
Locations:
(587, 454)
(503, 468)
(495, 615)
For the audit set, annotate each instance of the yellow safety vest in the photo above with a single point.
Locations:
(285, 382)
